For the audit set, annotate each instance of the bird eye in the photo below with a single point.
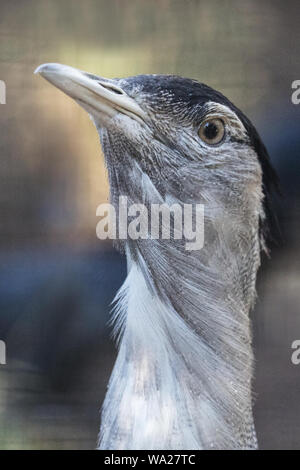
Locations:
(212, 131)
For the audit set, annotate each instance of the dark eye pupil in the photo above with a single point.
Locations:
(211, 130)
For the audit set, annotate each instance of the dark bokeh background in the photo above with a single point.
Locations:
(56, 279)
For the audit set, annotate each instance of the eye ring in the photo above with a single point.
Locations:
(212, 131)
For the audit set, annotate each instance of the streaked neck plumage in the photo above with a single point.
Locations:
(182, 379)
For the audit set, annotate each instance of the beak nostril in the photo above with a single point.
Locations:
(112, 88)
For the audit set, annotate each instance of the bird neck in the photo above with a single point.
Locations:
(182, 378)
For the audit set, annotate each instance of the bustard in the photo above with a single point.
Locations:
(182, 379)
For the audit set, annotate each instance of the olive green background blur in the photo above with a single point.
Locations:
(56, 279)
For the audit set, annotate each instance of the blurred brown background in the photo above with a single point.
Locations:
(56, 279)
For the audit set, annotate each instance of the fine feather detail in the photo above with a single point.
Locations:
(182, 379)
(169, 389)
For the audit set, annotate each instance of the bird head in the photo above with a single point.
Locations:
(170, 138)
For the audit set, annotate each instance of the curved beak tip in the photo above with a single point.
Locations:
(94, 95)
(39, 69)
(49, 67)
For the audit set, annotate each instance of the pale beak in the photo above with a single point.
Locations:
(99, 96)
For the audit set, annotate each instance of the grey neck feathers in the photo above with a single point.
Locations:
(182, 379)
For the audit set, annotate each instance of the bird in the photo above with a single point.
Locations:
(183, 375)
